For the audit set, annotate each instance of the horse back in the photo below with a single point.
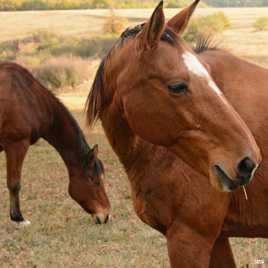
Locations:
(25, 110)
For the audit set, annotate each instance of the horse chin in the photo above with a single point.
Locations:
(224, 181)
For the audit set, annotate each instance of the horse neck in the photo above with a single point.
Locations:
(67, 138)
(132, 151)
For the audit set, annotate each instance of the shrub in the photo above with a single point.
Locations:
(41, 45)
(261, 24)
(32, 61)
(114, 24)
(32, 50)
(101, 3)
(207, 26)
(45, 40)
(134, 4)
(96, 46)
(9, 50)
(220, 16)
(33, 5)
(10, 4)
(62, 72)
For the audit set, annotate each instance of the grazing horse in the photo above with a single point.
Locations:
(28, 111)
(176, 117)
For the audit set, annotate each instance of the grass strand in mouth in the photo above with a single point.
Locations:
(245, 193)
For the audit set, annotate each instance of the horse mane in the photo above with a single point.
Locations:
(33, 90)
(204, 44)
(96, 99)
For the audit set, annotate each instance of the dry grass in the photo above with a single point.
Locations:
(115, 24)
(61, 234)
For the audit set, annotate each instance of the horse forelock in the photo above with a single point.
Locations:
(94, 100)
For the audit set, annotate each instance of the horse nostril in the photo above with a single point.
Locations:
(98, 220)
(246, 167)
(106, 219)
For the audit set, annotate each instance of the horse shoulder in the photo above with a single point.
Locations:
(170, 191)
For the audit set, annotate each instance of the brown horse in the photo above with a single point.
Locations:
(166, 110)
(28, 111)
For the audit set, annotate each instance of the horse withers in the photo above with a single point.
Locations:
(29, 111)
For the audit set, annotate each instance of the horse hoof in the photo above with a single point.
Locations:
(22, 223)
(25, 223)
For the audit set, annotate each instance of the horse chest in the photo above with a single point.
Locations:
(151, 209)
(249, 217)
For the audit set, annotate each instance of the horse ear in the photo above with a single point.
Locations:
(153, 29)
(95, 150)
(179, 22)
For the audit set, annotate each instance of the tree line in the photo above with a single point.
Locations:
(236, 3)
(10, 5)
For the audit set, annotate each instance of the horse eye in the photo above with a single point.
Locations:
(178, 88)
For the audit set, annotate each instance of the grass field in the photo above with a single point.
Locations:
(61, 234)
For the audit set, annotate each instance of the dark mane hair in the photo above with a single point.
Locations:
(35, 94)
(95, 101)
(204, 44)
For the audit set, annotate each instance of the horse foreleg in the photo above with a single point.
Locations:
(222, 255)
(15, 154)
(188, 249)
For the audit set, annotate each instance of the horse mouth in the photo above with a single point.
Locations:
(101, 218)
(226, 181)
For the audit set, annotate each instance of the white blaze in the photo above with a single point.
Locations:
(195, 66)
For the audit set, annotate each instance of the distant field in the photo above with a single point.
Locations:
(61, 234)
(241, 37)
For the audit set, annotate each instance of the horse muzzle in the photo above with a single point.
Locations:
(101, 218)
(245, 170)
